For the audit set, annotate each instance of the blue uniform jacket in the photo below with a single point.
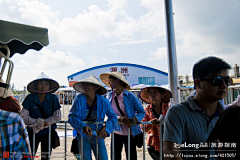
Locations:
(133, 108)
(78, 113)
(49, 105)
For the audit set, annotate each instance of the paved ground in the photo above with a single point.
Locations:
(59, 153)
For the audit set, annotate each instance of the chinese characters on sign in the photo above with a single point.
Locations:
(123, 70)
(113, 69)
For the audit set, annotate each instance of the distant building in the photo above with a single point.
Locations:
(134, 74)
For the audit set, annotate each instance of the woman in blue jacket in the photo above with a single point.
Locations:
(91, 106)
(128, 109)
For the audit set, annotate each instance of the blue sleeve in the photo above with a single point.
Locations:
(139, 108)
(56, 104)
(173, 127)
(112, 118)
(75, 117)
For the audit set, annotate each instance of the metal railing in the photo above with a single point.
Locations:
(233, 92)
(112, 138)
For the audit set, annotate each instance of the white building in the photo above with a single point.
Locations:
(134, 74)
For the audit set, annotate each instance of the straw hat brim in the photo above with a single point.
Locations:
(143, 94)
(32, 86)
(105, 79)
(78, 87)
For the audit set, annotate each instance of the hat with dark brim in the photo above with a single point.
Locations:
(92, 80)
(144, 95)
(53, 85)
(9, 92)
(105, 78)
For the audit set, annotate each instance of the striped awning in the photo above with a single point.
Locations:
(20, 37)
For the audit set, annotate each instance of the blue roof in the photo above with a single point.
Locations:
(118, 64)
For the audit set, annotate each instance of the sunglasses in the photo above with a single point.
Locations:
(217, 81)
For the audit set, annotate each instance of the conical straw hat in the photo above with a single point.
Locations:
(32, 86)
(143, 94)
(90, 79)
(9, 92)
(105, 78)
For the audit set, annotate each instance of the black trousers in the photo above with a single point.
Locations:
(44, 145)
(153, 153)
(119, 140)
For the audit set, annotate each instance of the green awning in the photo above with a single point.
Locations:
(20, 38)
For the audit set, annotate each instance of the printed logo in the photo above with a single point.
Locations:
(5, 154)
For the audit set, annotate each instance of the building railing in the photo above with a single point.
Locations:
(112, 138)
(233, 92)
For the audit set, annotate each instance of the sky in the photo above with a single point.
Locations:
(87, 33)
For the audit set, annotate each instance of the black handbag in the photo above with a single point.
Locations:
(55, 141)
(74, 146)
(138, 139)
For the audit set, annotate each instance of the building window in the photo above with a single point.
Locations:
(146, 80)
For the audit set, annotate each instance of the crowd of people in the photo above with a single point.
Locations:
(190, 128)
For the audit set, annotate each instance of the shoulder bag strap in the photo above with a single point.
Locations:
(41, 110)
(90, 111)
(119, 109)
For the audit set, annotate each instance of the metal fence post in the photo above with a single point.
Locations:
(232, 95)
(129, 143)
(171, 49)
(143, 141)
(112, 146)
(97, 143)
(81, 147)
(63, 103)
(161, 141)
(65, 140)
(34, 145)
(49, 140)
(24, 92)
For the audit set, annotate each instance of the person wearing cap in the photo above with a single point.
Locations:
(40, 102)
(14, 141)
(189, 124)
(158, 99)
(91, 106)
(9, 103)
(128, 109)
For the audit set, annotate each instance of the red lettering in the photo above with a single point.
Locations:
(113, 69)
(124, 69)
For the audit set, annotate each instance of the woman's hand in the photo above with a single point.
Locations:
(87, 130)
(128, 121)
(102, 132)
(45, 124)
(155, 121)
